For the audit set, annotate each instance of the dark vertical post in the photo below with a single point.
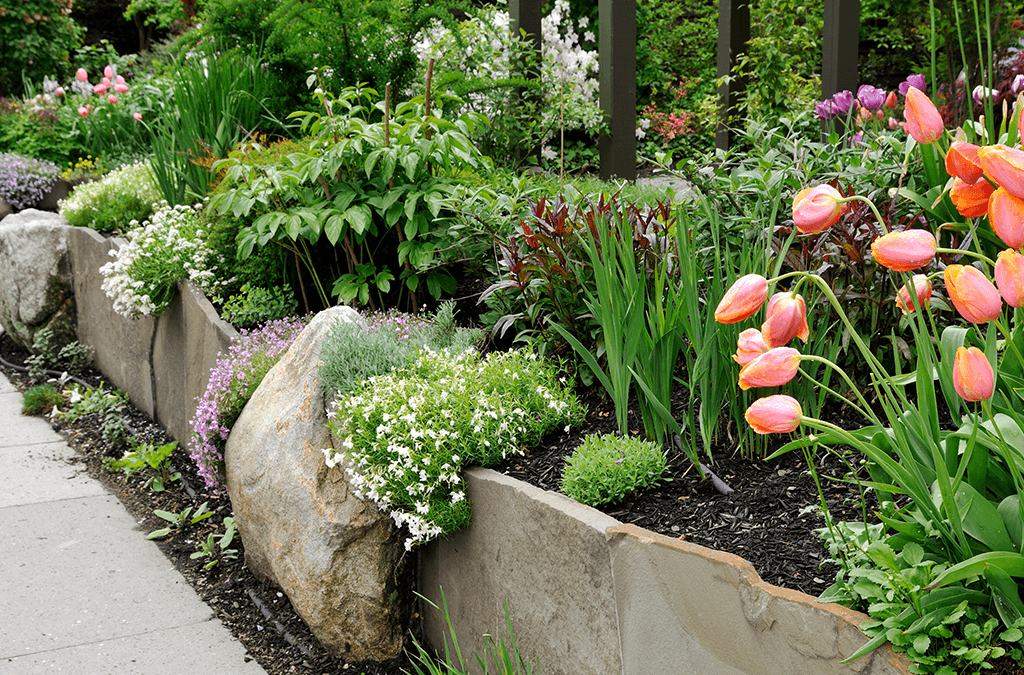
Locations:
(525, 15)
(733, 36)
(839, 52)
(617, 56)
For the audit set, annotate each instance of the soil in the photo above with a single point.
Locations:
(768, 519)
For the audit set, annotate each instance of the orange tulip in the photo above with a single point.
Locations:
(1005, 166)
(749, 346)
(924, 122)
(962, 162)
(971, 200)
(774, 368)
(973, 295)
(922, 292)
(1010, 277)
(778, 414)
(904, 251)
(816, 209)
(1006, 215)
(743, 299)
(786, 319)
(973, 377)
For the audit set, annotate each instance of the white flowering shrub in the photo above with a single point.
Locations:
(112, 203)
(484, 51)
(407, 435)
(171, 245)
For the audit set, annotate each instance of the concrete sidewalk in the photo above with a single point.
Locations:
(81, 590)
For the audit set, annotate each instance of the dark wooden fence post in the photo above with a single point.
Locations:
(617, 56)
(733, 36)
(839, 51)
(525, 16)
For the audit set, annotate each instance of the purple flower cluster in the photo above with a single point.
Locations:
(401, 323)
(838, 105)
(24, 181)
(232, 383)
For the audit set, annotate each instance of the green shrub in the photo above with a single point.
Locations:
(253, 305)
(391, 340)
(41, 399)
(36, 38)
(606, 469)
(405, 436)
(112, 203)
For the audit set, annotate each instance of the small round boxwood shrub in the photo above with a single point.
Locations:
(606, 469)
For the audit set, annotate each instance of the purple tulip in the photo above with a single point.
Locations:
(916, 81)
(842, 101)
(870, 97)
(823, 110)
(1018, 84)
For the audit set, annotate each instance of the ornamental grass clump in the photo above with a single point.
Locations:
(233, 381)
(170, 246)
(25, 181)
(112, 203)
(605, 469)
(406, 436)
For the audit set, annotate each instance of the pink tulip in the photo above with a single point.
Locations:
(816, 209)
(922, 293)
(970, 199)
(962, 161)
(778, 414)
(924, 123)
(112, 99)
(59, 91)
(108, 72)
(81, 75)
(107, 82)
(904, 251)
(742, 299)
(973, 377)
(774, 368)
(137, 116)
(749, 346)
(120, 80)
(99, 89)
(1005, 166)
(83, 111)
(786, 319)
(1006, 216)
(891, 101)
(974, 296)
(1010, 277)
(121, 88)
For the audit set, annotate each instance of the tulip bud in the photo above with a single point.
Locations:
(749, 346)
(891, 101)
(1018, 84)
(922, 293)
(108, 72)
(786, 319)
(1006, 216)
(83, 111)
(774, 368)
(778, 414)
(120, 80)
(121, 88)
(904, 251)
(973, 377)
(106, 82)
(1005, 166)
(924, 123)
(973, 295)
(1009, 276)
(971, 201)
(59, 91)
(112, 99)
(816, 209)
(81, 75)
(744, 298)
(137, 116)
(962, 161)
(99, 89)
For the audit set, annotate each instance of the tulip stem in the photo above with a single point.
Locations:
(1009, 341)
(960, 251)
(865, 410)
(871, 205)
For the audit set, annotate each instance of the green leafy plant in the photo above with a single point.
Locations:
(36, 37)
(46, 354)
(404, 437)
(253, 305)
(179, 521)
(108, 406)
(147, 456)
(378, 192)
(606, 469)
(499, 658)
(40, 399)
(215, 547)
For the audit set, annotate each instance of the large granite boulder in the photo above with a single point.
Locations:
(36, 290)
(339, 559)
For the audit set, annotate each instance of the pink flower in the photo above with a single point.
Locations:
(786, 319)
(816, 209)
(774, 368)
(106, 82)
(81, 75)
(924, 123)
(112, 99)
(120, 88)
(778, 414)
(100, 89)
(743, 298)
(83, 111)
(905, 250)
(749, 346)
(973, 378)
(120, 80)
(1010, 277)
(137, 116)
(974, 296)
(59, 91)
(108, 72)
(922, 293)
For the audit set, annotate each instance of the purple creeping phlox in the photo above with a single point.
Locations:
(232, 383)
(25, 181)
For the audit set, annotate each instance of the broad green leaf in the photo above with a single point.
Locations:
(1009, 562)
(981, 519)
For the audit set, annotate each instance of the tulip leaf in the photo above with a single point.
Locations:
(1010, 562)
(981, 519)
(1009, 511)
